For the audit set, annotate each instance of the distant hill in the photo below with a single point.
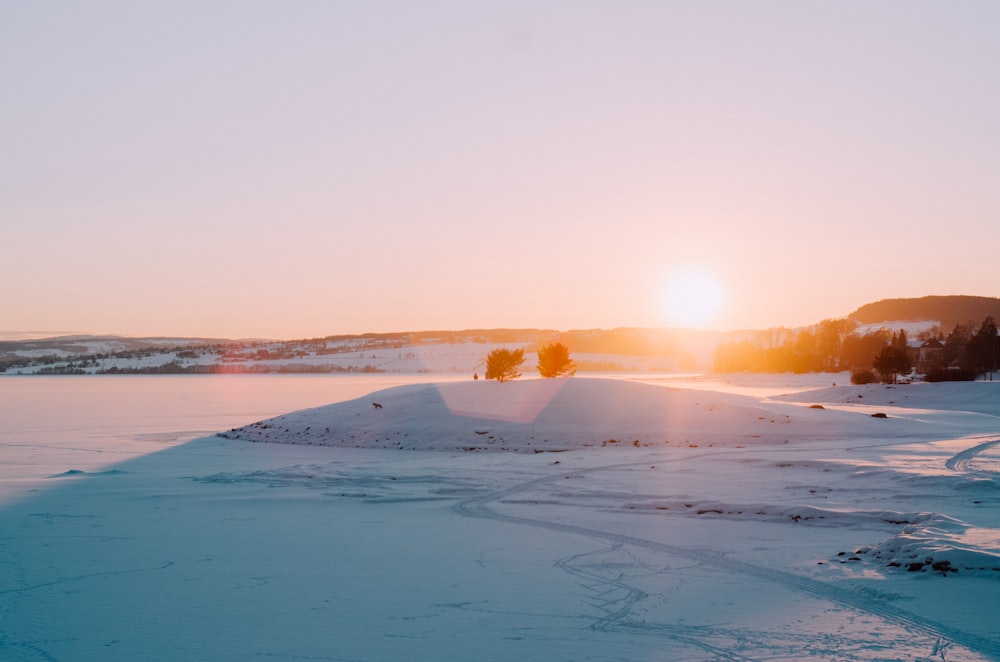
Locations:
(452, 352)
(947, 310)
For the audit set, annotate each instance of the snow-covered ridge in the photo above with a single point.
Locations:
(539, 415)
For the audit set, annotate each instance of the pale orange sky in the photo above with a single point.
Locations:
(286, 170)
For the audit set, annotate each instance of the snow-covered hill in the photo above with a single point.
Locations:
(539, 415)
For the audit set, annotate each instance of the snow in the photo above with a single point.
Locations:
(911, 327)
(577, 519)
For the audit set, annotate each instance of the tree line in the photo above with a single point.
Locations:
(967, 352)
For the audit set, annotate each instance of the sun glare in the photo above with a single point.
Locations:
(694, 297)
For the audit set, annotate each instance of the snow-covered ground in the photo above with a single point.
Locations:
(578, 519)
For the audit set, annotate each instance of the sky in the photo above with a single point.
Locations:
(265, 169)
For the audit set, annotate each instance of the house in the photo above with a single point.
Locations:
(928, 355)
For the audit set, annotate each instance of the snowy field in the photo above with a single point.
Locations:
(746, 518)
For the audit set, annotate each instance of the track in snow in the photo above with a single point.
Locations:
(962, 461)
(946, 636)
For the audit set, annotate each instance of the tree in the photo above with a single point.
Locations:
(554, 361)
(503, 364)
(954, 345)
(830, 335)
(858, 351)
(982, 349)
(893, 359)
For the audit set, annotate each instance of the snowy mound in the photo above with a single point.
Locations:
(546, 415)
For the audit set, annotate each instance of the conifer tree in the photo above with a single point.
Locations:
(894, 359)
(503, 364)
(983, 348)
(554, 361)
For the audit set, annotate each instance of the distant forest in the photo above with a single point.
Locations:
(964, 349)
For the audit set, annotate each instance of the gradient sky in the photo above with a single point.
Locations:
(298, 169)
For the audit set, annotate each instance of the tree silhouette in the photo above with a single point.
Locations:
(982, 349)
(893, 359)
(554, 361)
(955, 346)
(503, 364)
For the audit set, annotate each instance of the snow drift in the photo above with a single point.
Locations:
(549, 415)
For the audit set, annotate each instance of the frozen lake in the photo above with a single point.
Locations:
(89, 422)
(127, 532)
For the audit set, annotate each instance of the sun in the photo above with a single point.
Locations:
(693, 297)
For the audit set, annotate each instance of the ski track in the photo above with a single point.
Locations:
(962, 461)
(617, 611)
